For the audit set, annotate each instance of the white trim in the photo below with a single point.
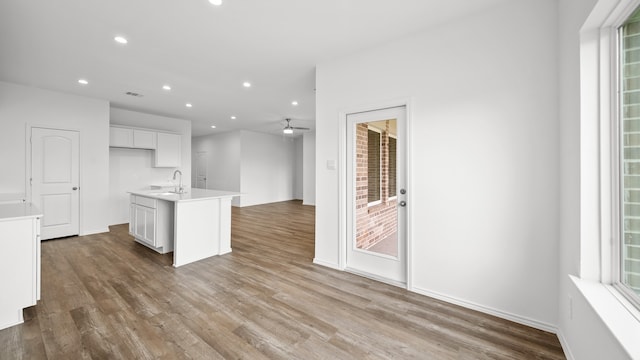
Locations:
(375, 277)
(327, 264)
(565, 346)
(616, 317)
(94, 231)
(489, 310)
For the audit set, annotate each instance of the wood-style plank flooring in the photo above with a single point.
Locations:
(106, 297)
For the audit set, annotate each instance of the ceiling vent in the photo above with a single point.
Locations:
(130, 93)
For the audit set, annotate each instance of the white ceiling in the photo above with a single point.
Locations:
(204, 52)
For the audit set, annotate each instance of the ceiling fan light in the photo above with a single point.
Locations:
(288, 130)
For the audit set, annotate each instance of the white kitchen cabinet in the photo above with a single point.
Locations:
(126, 137)
(120, 137)
(168, 153)
(144, 139)
(151, 223)
(20, 265)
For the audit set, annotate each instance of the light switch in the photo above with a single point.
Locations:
(331, 164)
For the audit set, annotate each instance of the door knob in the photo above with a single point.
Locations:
(75, 188)
(403, 191)
(403, 203)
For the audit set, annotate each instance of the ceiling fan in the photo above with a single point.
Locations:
(289, 129)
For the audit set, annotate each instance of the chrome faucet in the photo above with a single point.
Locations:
(180, 189)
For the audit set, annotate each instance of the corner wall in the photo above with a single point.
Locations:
(223, 161)
(21, 106)
(484, 155)
(266, 168)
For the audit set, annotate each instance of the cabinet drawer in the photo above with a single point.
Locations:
(144, 201)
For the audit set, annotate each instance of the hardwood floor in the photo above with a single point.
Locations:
(106, 297)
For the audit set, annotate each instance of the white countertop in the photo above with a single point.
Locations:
(191, 194)
(18, 211)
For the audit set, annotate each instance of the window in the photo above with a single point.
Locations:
(374, 165)
(627, 258)
(392, 167)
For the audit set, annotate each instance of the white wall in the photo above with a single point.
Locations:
(484, 155)
(309, 168)
(266, 168)
(132, 169)
(22, 105)
(223, 161)
(298, 180)
(260, 166)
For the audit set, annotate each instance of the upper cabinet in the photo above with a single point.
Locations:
(120, 137)
(166, 145)
(167, 150)
(144, 139)
(132, 138)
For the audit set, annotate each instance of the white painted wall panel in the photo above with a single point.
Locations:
(309, 169)
(298, 180)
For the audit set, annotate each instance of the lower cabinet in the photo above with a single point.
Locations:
(151, 223)
(19, 268)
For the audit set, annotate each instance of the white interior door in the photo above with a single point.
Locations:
(201, 170)
(376, 194)
(55, 180)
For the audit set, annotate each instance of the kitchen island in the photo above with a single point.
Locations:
(20, 265)
(194, 225)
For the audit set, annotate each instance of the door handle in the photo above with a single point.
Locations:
(403, 203)
(75, 188)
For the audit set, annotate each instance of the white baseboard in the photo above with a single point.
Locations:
(91, 232)
(326, 264)
(565, 346)
(488, 310)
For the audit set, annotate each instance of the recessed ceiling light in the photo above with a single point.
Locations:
(188, 105)
(233, 117)
(120, 40)
(213, 126)
(246, 84)
(216, 2)
(294, 103)
(166, 87)
(83, 82)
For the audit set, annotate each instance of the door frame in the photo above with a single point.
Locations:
(28, 162)
(343, 210)
(206, 170)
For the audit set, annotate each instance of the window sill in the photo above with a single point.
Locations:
(617, 317)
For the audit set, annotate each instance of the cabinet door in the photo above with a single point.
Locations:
(120, 137)
(145, 224)
(167, 152)
(144, 139)
(132, 219)
(140, 222)
(150, 226)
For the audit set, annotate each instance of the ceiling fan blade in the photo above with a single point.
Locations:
(300, 128)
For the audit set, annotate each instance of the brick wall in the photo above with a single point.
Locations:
(373, 223)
